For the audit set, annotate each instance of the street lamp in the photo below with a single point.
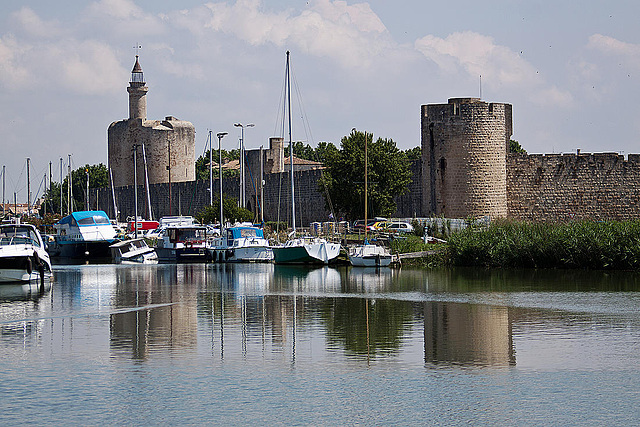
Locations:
(242, 166)
(220, 135)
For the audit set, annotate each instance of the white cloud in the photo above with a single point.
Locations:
(13, 74)
(31, 25)
(553, 96)
(628, 52)
(353, 35)
(121, 19)
(476, 55)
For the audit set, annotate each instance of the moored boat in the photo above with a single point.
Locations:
(368, 255)
(241, 244)
(183, 243)
(22, 254)
(306, 250)
(83, 235)
(134, 251)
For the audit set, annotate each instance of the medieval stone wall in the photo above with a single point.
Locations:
(560, 187)
(188, 198)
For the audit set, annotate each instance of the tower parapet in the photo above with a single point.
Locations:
(464, 151)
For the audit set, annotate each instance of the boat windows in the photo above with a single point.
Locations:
(99, 219)
(248, 232)
(85, 221)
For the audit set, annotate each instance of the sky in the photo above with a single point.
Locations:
(569, 68)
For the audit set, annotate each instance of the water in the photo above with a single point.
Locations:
(265, 344)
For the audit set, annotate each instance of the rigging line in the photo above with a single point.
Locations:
(35, 197)
(280, 119)
(307, 130)
(303, 114)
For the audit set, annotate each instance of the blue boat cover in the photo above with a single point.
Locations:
(86, 218)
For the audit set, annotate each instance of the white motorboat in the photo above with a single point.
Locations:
(306, 250)
(242, 244)
(22, 254)
(134, 251)
(83, 234)
(368, 255)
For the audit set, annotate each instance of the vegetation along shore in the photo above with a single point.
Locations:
(598, 245)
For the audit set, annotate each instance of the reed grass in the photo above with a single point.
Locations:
(604, 245)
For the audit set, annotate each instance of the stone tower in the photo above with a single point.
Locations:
(464, 152)
(169, 144)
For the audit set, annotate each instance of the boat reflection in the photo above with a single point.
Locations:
(266, 310)
(158, 310)
(22, 291)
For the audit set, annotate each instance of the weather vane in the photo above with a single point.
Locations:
(137, 47)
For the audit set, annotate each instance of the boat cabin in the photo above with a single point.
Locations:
(235, 233)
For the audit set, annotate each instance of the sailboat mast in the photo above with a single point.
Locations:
(366, 193)
(113, 196)
(293, 205)
(146, 181)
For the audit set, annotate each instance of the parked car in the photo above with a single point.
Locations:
(359, 224)
(398, 227)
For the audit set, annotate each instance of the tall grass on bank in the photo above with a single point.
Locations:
(605, 245)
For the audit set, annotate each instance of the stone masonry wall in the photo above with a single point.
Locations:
(187, 198)
(555, 187)
(464, 144)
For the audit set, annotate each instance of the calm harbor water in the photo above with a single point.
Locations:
(249, 344)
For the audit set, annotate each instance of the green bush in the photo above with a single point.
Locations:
(579, 244)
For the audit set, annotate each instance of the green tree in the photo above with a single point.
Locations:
(388, 175)
(202, 164)
(232, 212)
(307, 152)
(414, 153)
(515, 147)
(98, 178)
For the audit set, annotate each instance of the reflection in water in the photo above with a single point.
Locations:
(23, 291)
(171, 323)
(257, 344)
(268, 307)
(467, 334)
(294, 313)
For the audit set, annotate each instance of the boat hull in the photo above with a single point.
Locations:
(314, 253)
(21, 269)
(371, 261)
(181, 255)
(369, 256)
(241, 254)
(81, 249)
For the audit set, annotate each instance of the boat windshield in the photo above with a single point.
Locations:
(95, 219)
(18, 236)
(101, 220)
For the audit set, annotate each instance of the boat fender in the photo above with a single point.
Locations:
(229, 254)
(29, 265)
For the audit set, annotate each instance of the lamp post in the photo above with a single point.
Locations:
(210, 171)
(220, 135)
(242, 177)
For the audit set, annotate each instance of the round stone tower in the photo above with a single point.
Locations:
(464, 152)
(168, 145)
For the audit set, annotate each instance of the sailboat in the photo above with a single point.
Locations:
(304, 249)
(368, 255)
